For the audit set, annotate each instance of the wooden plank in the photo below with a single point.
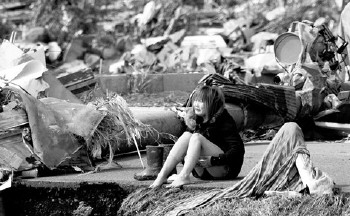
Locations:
(75, 77)
(81, 84)
(12, 118)
(14, 152)
(11, 132)
(78, 79)
(10, 159)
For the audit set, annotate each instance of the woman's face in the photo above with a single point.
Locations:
(199, 108)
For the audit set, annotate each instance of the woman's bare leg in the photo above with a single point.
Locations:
(175, 156)
(198, 145)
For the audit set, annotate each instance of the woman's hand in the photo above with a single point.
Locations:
(204, 161)
(189, 118)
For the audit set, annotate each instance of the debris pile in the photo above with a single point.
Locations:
(43, 135)
(164, 37)
(284, 57)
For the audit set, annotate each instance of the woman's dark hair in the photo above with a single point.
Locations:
(212, 97)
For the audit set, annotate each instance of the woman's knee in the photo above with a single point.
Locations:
(185, 137)
(183, 140)
(196, 138)
(186, 133)
(290, 126)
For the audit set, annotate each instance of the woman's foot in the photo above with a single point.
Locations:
(180, 181)
(158, 182)
(172, 178)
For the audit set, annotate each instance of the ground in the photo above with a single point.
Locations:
(87, 199)
(104, 193)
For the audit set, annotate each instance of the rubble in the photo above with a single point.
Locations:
(269, 56)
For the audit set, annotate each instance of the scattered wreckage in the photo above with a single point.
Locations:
(312, 89)
(45, 133)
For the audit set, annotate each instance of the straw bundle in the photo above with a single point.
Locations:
(117, 127)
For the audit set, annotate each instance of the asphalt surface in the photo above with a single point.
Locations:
(331, 157)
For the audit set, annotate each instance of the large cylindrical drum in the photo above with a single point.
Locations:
(287, 48)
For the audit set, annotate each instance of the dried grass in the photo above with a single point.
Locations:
(162, 201)
(145, 201)
(279, 205)
(118, 126)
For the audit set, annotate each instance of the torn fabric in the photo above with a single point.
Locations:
(312, 177)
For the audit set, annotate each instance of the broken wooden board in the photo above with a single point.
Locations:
(75, 76)
(11, 132)
(13, 152)
(79, 77)
(13, 118)
(10, 159)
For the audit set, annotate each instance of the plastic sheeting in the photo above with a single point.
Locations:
(56, 126)
(22, 70)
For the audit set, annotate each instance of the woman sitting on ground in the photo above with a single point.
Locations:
(211, 139)
(285, 168)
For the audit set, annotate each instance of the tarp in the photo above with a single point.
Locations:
(56, 126)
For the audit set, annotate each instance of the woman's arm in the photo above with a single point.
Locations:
(229, 140)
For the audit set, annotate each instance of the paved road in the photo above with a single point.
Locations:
(330, 157)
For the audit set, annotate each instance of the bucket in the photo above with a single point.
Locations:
(287, 48)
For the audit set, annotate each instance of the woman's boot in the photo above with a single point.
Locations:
(154, 164)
